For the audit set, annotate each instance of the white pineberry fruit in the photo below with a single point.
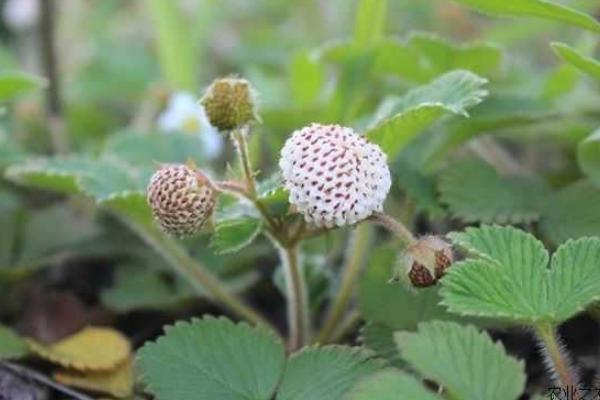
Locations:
(334, 175)
(182, 199)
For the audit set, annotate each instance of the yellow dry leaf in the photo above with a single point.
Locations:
(91, 349)
(117, 383)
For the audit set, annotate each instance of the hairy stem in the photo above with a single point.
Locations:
(557, 357)
(394, 226)
(200, 278)
(355, 255)
(241, 144)
(297, 297)
(240, 138)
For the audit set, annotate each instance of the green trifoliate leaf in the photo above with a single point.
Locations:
(585, 64)
(475, 192)
(535, 8)
(466, 362)
(212, 359)
(13, 83)
(509, 278)
(571, 212)
(325, 373)
(389, 384)
(11, 345)
(234, 234)
(399, 120)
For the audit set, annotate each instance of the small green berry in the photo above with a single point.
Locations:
(230, 103)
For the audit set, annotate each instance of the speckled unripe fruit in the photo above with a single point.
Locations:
(182, 199)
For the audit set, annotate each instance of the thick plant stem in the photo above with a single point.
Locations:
(394, 226)
(557, 358)
(201, 279)
(297, 297)
(355, 255)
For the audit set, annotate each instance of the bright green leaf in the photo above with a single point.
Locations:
(234, 234)
(325, 373)
(212, 359)
(388, 385)
(370, 22)
(11, 345)
(475, 192)
(535, 8)
(176, 51)
(585, 64)
(399, 120)
(13, 83)
(574, 278)
(306, 79)
(509, 276)
(466, 362)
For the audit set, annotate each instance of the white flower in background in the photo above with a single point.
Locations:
(334, 175)
(185, 114)
(21, 15)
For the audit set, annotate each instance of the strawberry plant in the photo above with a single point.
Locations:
(246, 208)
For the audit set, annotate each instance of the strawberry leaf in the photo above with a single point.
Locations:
(508, 276)
(212, 358)
(466, 362)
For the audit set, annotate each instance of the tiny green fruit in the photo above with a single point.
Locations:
(230, 103)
